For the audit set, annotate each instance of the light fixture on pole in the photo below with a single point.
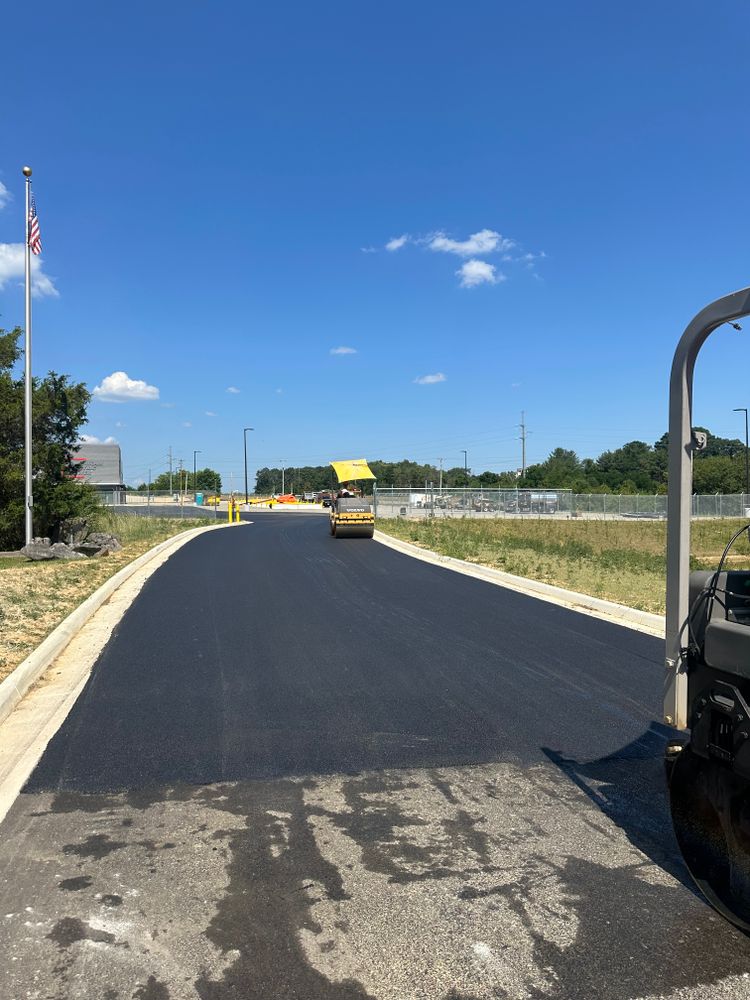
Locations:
(195, 487)
(743, 409)
(244, 434)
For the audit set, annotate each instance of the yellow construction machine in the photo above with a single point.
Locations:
(351, 515)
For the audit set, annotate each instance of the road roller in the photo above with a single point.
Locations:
(352, 515)
(707, 688)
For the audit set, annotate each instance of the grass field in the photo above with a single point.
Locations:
(36, 596)
(621, 561)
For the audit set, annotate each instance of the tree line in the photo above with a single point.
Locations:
(59, 412)
(206, 481)
(636, 467)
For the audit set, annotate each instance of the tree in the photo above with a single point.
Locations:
(207, 481)
(59, 410)
(719, 474)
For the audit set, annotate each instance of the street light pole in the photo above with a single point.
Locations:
(743, 409)
(466, 466)
(244, 434)
(283, 474)
(195, 488)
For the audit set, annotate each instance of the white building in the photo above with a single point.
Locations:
(101, 466)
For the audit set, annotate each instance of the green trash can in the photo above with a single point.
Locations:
(199, 499)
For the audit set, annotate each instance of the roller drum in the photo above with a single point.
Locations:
(354, 530)
(710, 808)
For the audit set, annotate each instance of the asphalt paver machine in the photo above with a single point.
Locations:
(707, 691)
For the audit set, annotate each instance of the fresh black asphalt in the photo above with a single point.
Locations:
(263, 791)
(271, 649)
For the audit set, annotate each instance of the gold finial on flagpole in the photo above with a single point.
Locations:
(27, 171)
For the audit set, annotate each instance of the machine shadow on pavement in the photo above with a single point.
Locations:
(630, 788)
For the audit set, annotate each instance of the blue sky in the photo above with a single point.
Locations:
(217, 184)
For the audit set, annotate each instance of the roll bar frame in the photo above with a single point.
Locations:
(682, 445)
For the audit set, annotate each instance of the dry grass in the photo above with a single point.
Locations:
(36, 596)
(621, 561)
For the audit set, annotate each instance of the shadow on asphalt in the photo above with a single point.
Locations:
(630, 788)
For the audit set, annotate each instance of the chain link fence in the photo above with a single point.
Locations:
(432, 502)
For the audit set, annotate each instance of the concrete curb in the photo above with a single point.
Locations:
(620, 614)
(28, 672)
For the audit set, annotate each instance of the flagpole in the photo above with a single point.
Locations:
(29, 501)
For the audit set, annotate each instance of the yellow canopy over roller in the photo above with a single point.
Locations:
(353, 468)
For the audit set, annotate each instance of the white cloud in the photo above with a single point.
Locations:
(397, 242)
(12, 268)
(368, 249)
(5, 195)
(233, 389)
(186, 423)
(167, 406)
(210, 413)
(119, 423)
(343, 350)
(430, 379)
(119, 388)
(485, 241)
(91, 439)
(478, 272)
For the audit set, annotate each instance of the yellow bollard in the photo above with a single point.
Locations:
(237, 513)
(230, 504)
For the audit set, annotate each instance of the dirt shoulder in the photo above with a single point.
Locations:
(36, 596)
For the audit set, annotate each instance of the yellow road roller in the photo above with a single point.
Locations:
(707, 691)
(351, 515)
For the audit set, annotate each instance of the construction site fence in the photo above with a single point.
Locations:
(137, 498)
(430, 501)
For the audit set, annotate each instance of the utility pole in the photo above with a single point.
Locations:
(743, 409)
(244, 434)
(170, 470)
(441, 474)
(179, 478)
(522, 425)
(466, 466)
(283, 474)
(196, 452)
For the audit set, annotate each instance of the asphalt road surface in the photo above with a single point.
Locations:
(310, 767)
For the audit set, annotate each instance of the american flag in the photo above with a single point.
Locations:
(35, 238)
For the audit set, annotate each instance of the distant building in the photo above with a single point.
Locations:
(101, 466)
